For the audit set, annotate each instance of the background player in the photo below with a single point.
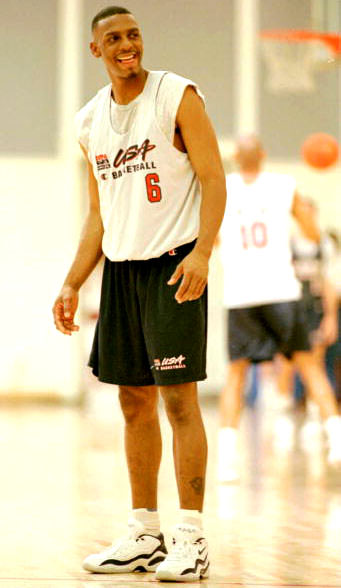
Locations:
(149, 144)
(311, 261)
(263, 294)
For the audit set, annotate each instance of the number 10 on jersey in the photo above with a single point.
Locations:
(254, 235)
(153, 187)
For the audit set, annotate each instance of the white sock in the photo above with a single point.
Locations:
(191, 517)
(149, 519)
(227, 439)
(283, 404)
(313, 411)
(332, 427)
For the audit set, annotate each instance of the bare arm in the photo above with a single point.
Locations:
(202, 148)
(305, 218)
(88, 254)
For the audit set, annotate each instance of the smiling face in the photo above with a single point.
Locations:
(117, 40)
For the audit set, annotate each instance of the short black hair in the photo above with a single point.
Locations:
(108, 11)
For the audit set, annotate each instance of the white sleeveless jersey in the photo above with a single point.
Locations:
(255, 241)
(149, 193)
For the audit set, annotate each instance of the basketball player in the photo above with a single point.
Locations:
(263, 294)
(319, 296)
(157, 198)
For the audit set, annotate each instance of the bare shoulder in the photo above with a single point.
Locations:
(191, 112)
(190, 100)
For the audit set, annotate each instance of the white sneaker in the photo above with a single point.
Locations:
(228, 455)
(310, 436)
(333, 430)
(334, 454)
(284, 433)
(138, 551)
(187, 560)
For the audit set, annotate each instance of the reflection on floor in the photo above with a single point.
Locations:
(64, 493)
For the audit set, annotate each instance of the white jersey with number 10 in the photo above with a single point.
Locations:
(255, 241)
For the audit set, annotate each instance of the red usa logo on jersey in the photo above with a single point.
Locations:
(132, 152)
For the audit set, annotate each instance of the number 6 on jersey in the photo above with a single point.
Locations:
(153, 188)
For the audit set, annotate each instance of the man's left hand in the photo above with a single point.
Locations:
(194, 271)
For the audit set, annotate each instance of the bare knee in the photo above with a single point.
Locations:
(238, 368)
(181, 403)
(139, 404)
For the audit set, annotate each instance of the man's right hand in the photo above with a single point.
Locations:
(64, 310)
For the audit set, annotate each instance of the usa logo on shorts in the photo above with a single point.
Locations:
(170, 363)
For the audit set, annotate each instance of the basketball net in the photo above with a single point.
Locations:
(293, 57)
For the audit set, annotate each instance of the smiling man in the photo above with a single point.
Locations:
(157, 198)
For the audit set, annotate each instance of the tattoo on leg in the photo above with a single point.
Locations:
(197, 485)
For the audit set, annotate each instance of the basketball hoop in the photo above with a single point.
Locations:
(292, 57)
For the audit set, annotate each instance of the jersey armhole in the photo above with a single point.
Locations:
(171, 123)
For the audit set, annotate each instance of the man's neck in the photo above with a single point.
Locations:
(124, 90)
(249, 175)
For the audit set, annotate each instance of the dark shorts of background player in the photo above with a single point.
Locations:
(259, 332)
(143, 336)
(313, 308)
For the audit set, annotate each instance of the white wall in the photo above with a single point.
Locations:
(39, 224)
(323, 186)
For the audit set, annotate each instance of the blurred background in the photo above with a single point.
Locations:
(49, 73)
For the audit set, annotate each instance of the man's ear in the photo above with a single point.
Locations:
(95, 50)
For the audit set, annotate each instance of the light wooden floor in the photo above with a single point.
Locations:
(64, 493)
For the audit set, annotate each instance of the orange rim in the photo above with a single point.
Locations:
(332, 40)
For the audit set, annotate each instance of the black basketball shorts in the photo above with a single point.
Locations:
(143, 336)
(257, 333)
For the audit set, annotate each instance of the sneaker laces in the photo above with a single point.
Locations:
(180, 549)
(129, 540)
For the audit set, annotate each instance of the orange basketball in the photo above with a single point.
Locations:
(320, 150)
